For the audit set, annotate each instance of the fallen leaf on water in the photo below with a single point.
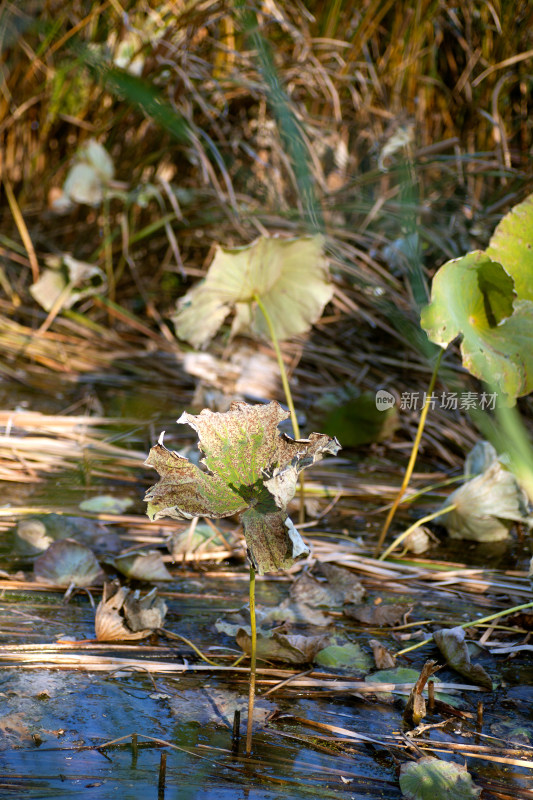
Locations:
(343, 581)
(289, 611)
(340, 587)
(35, 534)
(68, 563)
(209, 706)
(382, 657)
(147, 566)
(250, 469)
(401, 675)
(126, 616)
(451, 642)
(380, 616)
(14, 725)
(349, 655)
(433, 779)
(277, 645)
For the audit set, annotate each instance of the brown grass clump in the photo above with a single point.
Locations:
(400, 129)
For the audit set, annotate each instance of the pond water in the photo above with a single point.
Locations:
(53, 716)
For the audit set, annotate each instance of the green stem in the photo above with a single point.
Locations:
(281, 365)
(251, 688)
(286, 389)
(399, 539)
(412, 459)
(470, 624)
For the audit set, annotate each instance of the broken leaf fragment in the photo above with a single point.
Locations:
(88, 178)
(452, 644)
(67, 281)
(249, 468)
(124, 615)
(290, 277)
(433, 779)
(67, 563)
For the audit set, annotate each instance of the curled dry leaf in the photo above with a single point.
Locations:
(344, 581)
(277, 645)
(250, 470)
(126, 616)
(144, 612)
(452, 644)
(418, 540)
(340, 587)
(480, 458)
(382, 657)
(486, 507)
(142, 566)
(67, 563)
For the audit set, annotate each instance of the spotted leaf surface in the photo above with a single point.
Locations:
(249, 468)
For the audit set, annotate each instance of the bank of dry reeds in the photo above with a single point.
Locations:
(374, 121)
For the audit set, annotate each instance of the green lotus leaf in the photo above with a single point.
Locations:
(474, 297)
(432, 779)
(290, 277)
(249, 468)
(349, 655)
(511, 244)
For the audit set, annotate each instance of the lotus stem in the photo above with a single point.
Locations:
(253, 659)
(412, 459)
(288, 393)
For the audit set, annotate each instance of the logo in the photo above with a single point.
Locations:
(384, 400)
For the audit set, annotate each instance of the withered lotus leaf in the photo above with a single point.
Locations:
(249, 468)
(124, 615)
(68, 562)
